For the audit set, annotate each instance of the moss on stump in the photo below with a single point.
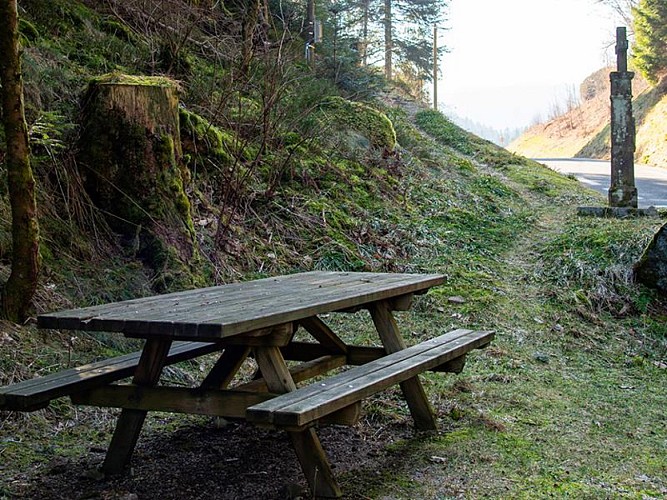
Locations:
(131, 153)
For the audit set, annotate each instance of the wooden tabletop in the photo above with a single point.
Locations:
(227, 310)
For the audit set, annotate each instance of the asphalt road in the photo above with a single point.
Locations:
(651, 182)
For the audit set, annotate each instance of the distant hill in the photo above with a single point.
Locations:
(500, 137)
(583, 130)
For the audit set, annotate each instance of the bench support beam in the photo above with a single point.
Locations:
(323, 334)
(413, 391)
(218, 403)
(129, 424)
(314, 462)
(455, 365)
(226, 367)
(300, 373)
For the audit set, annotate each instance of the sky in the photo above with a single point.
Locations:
(509, 61)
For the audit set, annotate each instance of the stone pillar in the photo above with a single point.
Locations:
(622, 192)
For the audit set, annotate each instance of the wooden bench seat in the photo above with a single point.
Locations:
(301, 407)
(36, 393)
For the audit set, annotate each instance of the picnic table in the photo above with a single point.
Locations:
(259, 319)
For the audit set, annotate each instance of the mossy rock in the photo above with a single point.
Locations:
(363, 119)
(119, 30)
(202, 139)
(651, 269)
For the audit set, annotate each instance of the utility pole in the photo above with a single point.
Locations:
(622, 192)
(435, 67)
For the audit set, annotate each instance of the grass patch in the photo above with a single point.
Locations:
(567, 400)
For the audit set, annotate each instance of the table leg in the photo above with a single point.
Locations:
(130, 422)
(306, 443)
(413, 390)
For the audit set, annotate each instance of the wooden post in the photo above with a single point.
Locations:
(412, 389)
(622, 191)
(306, 443)
(226, 367)
(130, 422)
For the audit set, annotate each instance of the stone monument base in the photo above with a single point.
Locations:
(623, 196)
(617, 212)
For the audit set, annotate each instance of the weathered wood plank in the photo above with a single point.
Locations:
(209, 325)
(209, 298)
(38, 392)
(279, 335)
(349, 377)
(367, 383)
(222, 403)
(350, 415)
(402, 303)
(455, 365)
(312, 402)
(413, 391)
(228, 403)
(460, 337)
(231, 309)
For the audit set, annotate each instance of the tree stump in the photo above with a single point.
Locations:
(130, 152)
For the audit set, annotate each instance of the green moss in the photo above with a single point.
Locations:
(369, 122)
(140, 180)
(119, 78)
(201, 139)
(242, 108)
(119, 30)
(171, 273)
(58, 14)
(541, 179)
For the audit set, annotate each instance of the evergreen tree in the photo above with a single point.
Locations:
(650, 50)
(398, 32)
(409, 32)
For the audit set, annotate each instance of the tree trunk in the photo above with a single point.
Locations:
(130, 146)
(364, 42)
(20, 287)
(388, 41)
(310, 31)
(250, 17)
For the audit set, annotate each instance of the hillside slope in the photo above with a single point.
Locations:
(584, 130)
(564, 136)
(339, 184)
